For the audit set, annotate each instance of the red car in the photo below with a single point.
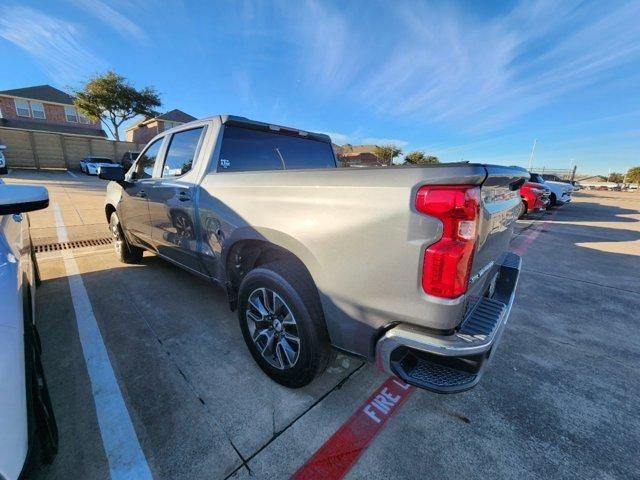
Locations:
(535, 198)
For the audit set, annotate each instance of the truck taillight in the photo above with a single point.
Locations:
(447, 263)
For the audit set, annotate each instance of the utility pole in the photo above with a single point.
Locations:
(532, 152)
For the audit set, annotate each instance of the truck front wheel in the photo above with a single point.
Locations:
(282, 323)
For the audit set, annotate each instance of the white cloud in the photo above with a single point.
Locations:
(114, 19)
(384, 141)
(55, 44)
(338, 138)
(358, 139)
(441, 64)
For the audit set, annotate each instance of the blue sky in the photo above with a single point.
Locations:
(472, 80)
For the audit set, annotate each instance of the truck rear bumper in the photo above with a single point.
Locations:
(452, 363)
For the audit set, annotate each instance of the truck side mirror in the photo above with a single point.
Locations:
(22, 198)
(114, 174)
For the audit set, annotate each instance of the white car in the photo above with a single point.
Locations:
(560, 191)
(91, 165)
(3, 161)
(27, 424)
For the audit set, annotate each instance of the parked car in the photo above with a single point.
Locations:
(91, 165)
(3, 161)
(128, 158)
(383, 263)
(28, 431)
(560, 191)
(551, 177)
(535, 198)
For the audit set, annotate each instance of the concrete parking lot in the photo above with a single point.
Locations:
(560, 400)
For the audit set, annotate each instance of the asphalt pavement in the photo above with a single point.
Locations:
(560, 398)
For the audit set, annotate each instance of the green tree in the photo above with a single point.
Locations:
(420, 158)
(633, 175)
(111, 99)
(386, 153)
(616, 177)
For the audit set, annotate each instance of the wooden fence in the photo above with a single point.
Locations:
(32, 149)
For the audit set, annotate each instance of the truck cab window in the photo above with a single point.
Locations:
(181, 152)
(244, 149)
(147, 160)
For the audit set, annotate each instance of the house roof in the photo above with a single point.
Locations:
(176, 115)
(44, 93)
(51, 127)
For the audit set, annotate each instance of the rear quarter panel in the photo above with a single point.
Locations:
(356, 230)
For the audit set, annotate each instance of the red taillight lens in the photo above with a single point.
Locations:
(447, 263)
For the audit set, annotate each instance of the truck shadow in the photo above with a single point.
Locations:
(594, 212)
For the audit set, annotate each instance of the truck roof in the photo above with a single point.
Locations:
(255, 125)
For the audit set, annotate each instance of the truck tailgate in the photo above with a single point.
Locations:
(500, 204)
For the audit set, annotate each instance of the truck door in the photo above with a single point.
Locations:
(172, 200)
(133, 208)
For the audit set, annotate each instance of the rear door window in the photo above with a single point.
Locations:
(181, 152)
(245, 150)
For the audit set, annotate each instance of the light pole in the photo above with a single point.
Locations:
(533, 149)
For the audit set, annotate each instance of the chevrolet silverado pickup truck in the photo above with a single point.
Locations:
(405, 266)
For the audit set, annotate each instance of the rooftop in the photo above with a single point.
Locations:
(44, 93)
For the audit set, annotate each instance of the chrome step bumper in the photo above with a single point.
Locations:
(452, 363)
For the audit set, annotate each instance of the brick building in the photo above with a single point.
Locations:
(146, 129)
(358, 155)
(44, 108)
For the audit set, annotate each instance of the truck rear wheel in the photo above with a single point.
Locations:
(125, 252)
(282, 323)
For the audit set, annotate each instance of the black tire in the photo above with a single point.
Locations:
(523, 209)
(47, 427)
(296, 288)
(42, 426)
(125, 252)
(552, 201)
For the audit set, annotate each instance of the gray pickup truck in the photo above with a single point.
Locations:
(405, 266)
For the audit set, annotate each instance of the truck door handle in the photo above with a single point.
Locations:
(184, 197)
(141, 194)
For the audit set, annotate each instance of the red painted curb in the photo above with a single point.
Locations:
(338, 454)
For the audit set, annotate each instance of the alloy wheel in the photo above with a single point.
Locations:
(273, 328)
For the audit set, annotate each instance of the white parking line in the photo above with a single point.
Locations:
(125, 456)
(72, 174)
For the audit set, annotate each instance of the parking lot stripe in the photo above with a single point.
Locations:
(338, 454)
(72, 174)
(124, 454)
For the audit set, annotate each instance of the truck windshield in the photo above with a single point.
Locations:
(245, 150)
